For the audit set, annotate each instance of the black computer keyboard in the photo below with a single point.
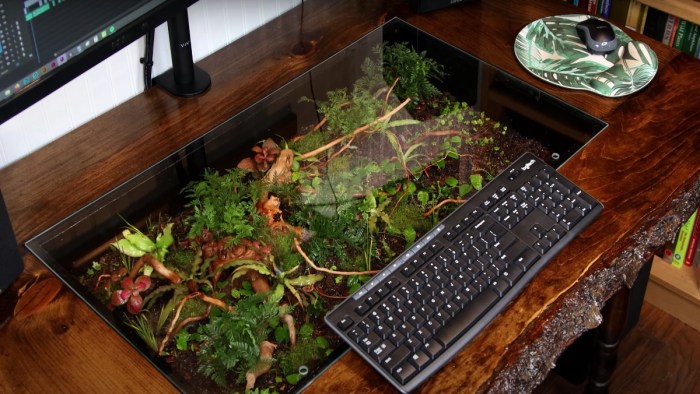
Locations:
(419, 311)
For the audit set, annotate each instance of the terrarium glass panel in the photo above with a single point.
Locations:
(219, 262)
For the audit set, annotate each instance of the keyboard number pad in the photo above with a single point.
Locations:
(557, 197)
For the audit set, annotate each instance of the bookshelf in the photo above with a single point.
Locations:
(675, 290)
(686, 9)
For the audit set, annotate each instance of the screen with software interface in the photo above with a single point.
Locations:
(38, 37)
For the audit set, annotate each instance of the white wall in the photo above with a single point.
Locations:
(213, 24)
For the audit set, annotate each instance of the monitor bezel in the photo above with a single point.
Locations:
(151, 17)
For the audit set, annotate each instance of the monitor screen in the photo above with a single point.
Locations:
(46, 43)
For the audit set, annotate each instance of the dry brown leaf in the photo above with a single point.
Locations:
(37, 296)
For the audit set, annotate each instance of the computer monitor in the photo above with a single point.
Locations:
(46, 43)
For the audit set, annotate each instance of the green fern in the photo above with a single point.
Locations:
(219, 206)
(346, 112)
(230, 340)
(415, 72)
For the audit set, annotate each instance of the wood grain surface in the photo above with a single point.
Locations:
(644, 167)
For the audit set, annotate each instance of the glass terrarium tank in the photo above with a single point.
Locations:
(219, 262)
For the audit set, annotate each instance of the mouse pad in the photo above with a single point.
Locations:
(551, 49)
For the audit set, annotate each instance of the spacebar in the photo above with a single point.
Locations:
(465, 318)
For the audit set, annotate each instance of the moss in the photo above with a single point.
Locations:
(303, 353)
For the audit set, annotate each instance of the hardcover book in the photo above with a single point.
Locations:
(670, 31)
(690, 254)
(683, 241)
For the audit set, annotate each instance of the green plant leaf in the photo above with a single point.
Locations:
(243, 269)
(476, 180)
(464, 189)
(410, 234)
(181, 340)
(128, 248)
(411, 187)
(281, 334)
(423, 197)
(322, 343)
(451, 181)
(403, 122)
(305, 280)
(165, 239)
(293, 378)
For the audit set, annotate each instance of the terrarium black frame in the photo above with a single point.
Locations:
(379, 165)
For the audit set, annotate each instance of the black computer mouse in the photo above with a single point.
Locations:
(598, 35)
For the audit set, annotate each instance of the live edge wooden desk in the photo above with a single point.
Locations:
(644, 167)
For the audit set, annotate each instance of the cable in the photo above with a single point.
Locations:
(147, 60)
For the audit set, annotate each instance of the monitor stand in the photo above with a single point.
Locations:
(10, 260)
(185, 79)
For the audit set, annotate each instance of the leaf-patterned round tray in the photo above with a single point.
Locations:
(550, 49)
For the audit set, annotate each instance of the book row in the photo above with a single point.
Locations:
(672, 31)
(598, 7)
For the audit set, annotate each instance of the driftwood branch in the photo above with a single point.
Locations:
(443, 202)
(357, 131)
(297, 245)
(203, 297)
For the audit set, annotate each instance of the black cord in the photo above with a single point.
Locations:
(301, 22)
(147, 60)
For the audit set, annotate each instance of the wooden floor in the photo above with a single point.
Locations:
(660, 355)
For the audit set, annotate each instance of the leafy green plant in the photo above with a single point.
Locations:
(285, 279)
(337, 238)
(414, 71)
(136, 244)
(230, 340)
(143, 328)
(346, 112)
(95, 267)
(220, 206)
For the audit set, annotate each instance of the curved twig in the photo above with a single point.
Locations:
(391, 89)
(354, 133)
(181, 305)
(192, 319)
(443, 202)
(436, 133)
(326, 270)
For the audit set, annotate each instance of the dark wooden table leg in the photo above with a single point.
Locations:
(608, 339)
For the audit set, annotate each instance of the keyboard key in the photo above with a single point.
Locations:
(432, 348)
(466, 318)
(512, 273)
(369, 341)
(397, 338)
(420, 360)
(361, 309)
(527, 259)
(381, 351)
(500, 286)
(404, 372)
(538, 231)
(396, 358)
(345, 323)
(371, 300)
(382, 330)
